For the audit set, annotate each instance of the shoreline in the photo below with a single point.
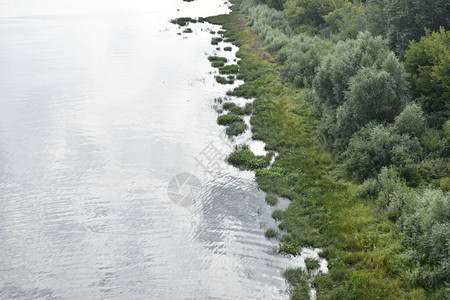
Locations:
(323, 212)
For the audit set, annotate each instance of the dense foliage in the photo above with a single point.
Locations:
(377, 76)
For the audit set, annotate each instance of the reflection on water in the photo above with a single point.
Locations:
(102, 104)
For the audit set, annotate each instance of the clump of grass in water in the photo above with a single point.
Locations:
(236, 128)
(244, 159)
(183, 21)
(217, 61)
(227, 48)
(228, 119)
(187, 30)
(272, 199)
(223, 80)
(271, 233)
(289, 247)
(298, 279)
(216, 41)
(230, 69)
(311, 263)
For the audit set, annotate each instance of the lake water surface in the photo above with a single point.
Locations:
(102, 108)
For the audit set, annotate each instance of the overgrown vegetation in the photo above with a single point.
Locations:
(385, 122)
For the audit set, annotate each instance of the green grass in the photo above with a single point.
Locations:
(225, 80)
(360, 242)
(216, 41)
(271, 233)
(230, 69)
(244, 159)
(311, 264)
(228, 105)
(217, 58)
(236, 128)
(272, 199)
(217, 64)
(227, 119)
(183, 21)
(227, 48)
(187, 30)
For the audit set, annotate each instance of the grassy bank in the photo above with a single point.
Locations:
(359, 241)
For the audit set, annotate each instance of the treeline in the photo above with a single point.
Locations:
(378, 75)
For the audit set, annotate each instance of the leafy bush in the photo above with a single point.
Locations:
(377, 146)
(262, 17)
(410, 121)
(343, 62)
(301, 58)
(369, 189)
(425, 224)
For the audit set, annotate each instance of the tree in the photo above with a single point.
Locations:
(343, 62)
(309, 12)
(301, 58)
(407, 20)
(428, 62)
(410, 121)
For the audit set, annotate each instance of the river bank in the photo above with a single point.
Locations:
(361, 246)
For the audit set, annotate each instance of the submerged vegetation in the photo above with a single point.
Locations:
(363, 138)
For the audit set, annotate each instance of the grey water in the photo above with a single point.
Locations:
(104, 109)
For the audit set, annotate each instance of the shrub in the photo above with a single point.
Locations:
(301, 58)
(377, 146)
(424, 224)
(228, 48)
(369, 189)
(343, 62)
(410, 121)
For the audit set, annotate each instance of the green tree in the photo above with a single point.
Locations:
(410, 121)
(309, 12)
(343, 62)
(428, 62)
(407, 20)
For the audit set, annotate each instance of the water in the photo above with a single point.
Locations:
(102, 105)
